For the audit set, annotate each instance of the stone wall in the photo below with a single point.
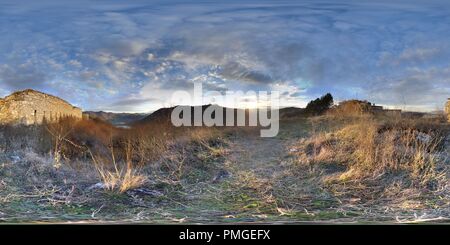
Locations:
(447, 109)
(31, 107)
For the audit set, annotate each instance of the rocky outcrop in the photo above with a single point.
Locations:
(33, 107)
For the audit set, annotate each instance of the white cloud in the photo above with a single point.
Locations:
(121, 48)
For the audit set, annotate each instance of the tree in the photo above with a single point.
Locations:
(319, 105)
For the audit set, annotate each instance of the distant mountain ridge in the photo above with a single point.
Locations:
(116, 118)
(163, 115)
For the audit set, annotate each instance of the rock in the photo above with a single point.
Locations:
(146, 192)
(222, 174)
(97, 186)
(425, 138)
(15, 159)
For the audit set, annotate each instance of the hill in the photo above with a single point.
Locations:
(163, 115)
(116, 118)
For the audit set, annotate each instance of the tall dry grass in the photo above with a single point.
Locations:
(371, 147)
(119, 176)
(118, 155)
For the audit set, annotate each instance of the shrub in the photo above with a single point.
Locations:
(21, 137)
(319, 105)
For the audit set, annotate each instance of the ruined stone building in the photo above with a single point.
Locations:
(447, 109)
(358, 107)
(32, 107)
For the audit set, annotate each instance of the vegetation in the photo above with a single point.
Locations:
(319, 105)
(372, 147)
(351, 108)
(344, 165)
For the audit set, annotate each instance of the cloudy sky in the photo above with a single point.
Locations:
(131, 55)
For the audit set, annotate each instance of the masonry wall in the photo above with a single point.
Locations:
(447, 109)
(30, 107)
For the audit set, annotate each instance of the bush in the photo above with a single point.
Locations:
(20, 137)
(319, 105)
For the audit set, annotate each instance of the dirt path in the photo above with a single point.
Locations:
(257, 168)
(266, 185)
(261, 156)
(265, 156)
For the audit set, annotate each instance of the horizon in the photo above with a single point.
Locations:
(233, 107)
(130, 57)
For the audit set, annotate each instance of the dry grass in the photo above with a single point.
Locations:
(121, 176)
(371, 147)
(118, 155)
(379, 162)
(344, 163)
(350, 108)
(378, 166)
(121, 179)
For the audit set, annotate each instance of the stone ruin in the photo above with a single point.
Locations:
(33, 107)
(358, 107)
(447, 109)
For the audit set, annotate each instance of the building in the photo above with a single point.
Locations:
(33, 107)
(447, 109)
(359, 107)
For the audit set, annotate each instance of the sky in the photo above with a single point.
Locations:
(130, 56)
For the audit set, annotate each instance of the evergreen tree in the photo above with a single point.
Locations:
(319, 105)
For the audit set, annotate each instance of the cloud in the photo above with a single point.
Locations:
(98, 52)
(418, 54)
(22, 76)
(416, 89)
(296, 94)
(75, 63)
(236, 71)
(122, 47)
(132, 102)
(430, 54)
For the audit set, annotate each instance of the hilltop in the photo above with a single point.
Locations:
(116, 118)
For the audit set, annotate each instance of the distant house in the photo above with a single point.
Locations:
(33, 107)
